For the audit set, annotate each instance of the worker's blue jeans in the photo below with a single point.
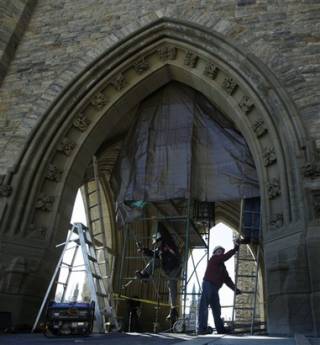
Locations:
(209, 296)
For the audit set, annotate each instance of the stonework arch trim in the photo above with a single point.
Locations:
(87, 85)
(129, 37)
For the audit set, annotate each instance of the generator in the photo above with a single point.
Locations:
(75, 318)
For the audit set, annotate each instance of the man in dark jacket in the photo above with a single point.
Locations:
(215, 276)
(166, 256)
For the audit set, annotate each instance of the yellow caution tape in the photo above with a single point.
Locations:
(122, 297)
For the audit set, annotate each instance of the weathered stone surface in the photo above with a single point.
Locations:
(58, 36)
(64, 38)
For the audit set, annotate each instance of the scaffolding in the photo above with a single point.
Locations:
(189, 223)
(246, 313)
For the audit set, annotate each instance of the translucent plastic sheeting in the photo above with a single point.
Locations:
(181, 146)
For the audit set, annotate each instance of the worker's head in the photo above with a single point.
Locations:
(156, 238)
(218, 250)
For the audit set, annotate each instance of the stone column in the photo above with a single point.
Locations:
(289, 303)
(25, 272)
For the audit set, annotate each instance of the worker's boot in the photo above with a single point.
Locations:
(142, 275)
(173, 315)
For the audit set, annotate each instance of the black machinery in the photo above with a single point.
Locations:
(69, 318)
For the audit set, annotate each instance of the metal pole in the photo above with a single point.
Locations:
(70, 268)
(237, 263)
(102, 228)
(255, 291)
(51, 282)
(186, 261)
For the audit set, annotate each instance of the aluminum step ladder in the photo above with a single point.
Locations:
(79, 238)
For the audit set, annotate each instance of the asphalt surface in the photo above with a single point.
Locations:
(150, 339)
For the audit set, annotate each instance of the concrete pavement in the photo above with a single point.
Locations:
(154, 339)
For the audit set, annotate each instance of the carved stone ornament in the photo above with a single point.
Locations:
(276, 221)
(81, 122)
(53, 173)
(274, 188)
(191, 59)
(167, 53)
(141, 66)
(311, 170)
(119, 82)
(13, 275)
(37, 232)
(211, 70)
(229, 85)
(5, 189)
(259, 128)
(316, 204)
(45, 203)
(99, 100)
(269, 156)
(246, 105)
(66, 146)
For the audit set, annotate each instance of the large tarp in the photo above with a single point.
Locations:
(181, 146)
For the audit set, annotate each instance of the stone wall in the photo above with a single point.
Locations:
(63, 37)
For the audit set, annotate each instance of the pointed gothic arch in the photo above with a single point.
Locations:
(51, 167)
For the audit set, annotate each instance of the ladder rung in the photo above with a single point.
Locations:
(246, 293)
(246, 276)
(92, 192)
(100, 294)
(92, 206)
(244, 308)
(65, 264)
(245, 259)
(134, 257)
(95, 220)
(64, 284)
(91, 258)
(97, 276)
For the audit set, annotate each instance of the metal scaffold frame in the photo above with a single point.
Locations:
(189, 218)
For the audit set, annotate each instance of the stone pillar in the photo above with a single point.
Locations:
(25, 272)
(289, 304)
(313, 245)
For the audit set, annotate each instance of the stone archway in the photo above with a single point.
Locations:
(93, 108)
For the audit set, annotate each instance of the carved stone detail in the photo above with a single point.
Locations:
(273, 188)
(45, 202)
(167, 53)
(276, 221)
(316, 204)
(53, 173)
(99, 100)
(81, 122)
(246, 105)
(37, 232)
(5, 189)
(211, 70)
(269, 156)
(229, 85)
(66, 146)
(119, 82)
(141, 66)
(311, 169)
(191, 59)
(13, 276)
(259, 128)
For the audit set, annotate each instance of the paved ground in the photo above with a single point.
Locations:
(148, 339)
(111, 338)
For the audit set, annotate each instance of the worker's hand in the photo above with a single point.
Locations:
(139, 247)
(238, 291)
